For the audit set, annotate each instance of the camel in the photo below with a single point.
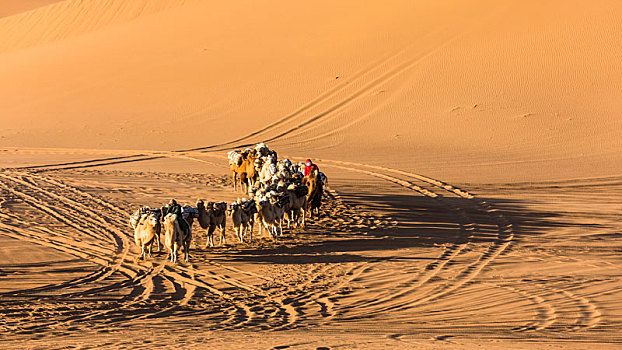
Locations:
(270, 210)
(145, 232)
(239, 219)
(242, 214)
(316, 190)
(250, 210)
(189, 214)
(211, 216)
(297, 204)
(137, 216)
(175, 238)
(235, 163)
(252, 174)
(243, 165)
(266, 216)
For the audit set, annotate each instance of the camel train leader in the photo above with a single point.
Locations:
(174, 208)
(310, 167)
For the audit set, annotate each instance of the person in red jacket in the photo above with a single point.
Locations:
(310, 167)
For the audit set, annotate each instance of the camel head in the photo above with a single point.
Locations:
(245, 153)
(152, 219)
(220, 207)
(169, 219)
(272, 198)
(233, 207)
(251, 158)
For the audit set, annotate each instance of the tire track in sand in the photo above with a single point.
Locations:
(590, 315)
(470, 272)
(172, 276)
(140, 282)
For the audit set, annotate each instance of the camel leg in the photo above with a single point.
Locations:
(223, 238)
(289, 218)
(210, 236)
(296, 218)
(268, 229)
(157, 242)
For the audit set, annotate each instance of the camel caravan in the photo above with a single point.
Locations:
(278, 192)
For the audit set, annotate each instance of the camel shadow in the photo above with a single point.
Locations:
(422, 222)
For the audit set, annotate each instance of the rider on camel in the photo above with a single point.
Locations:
(310, 167)
(174, 208)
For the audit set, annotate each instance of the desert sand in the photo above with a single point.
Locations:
(472, 149)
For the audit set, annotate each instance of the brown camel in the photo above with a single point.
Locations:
(316, 190)
(212, 215)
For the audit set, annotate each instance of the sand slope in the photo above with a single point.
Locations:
(486, 83)
(9, 7)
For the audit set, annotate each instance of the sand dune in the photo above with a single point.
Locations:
(498, 84)
(472, 150)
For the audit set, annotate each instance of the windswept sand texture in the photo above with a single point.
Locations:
(472, 148)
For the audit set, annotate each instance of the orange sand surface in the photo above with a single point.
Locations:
(472, 149)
